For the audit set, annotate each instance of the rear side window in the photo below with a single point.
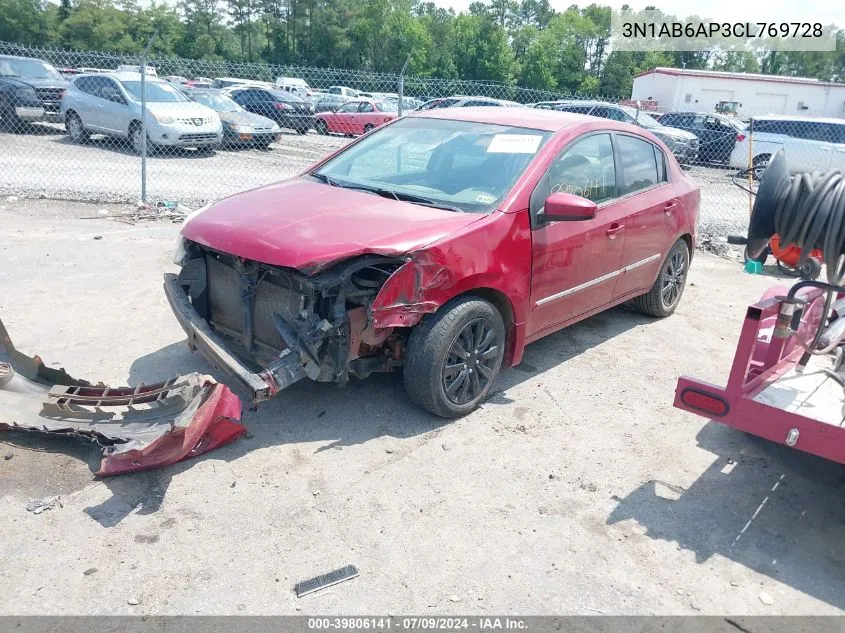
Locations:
(84, 85)
(639, 164)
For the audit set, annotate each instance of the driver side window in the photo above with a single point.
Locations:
(585, 168)
(349, 107)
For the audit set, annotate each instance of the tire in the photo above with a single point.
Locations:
(762, 257)
(759, 163)
(321, 127)
(75, 130)
(659, 301)
(434, 377)
(368, 128)
(135, 139)
(761, 160)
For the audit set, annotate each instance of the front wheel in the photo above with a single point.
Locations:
(665, 294)
(454, 357)
(368, 128)
(136, 137)
(321, 127)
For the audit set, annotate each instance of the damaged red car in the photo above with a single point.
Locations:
(441, 243)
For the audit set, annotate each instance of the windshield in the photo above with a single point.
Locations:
(642, 118)
(218, 103)
(458, 165)
(389, 106)
(157, 91)
(28, 68)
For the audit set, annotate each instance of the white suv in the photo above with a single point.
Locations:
(809, 144)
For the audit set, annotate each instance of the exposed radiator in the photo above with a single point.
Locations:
(226, 306)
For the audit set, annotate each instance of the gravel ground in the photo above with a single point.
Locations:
(43, 163)
(576, 489)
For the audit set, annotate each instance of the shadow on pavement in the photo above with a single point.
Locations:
(774, 510)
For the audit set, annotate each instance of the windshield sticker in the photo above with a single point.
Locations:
(485, 198)
(514, 144)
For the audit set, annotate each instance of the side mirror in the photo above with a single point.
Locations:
(562, 206)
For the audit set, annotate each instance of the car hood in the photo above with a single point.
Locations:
(247, 118)
(36, 83)
(189, 109)
(308, 225)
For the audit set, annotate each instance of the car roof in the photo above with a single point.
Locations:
(548, 120)
(787, 117)
(123, 76)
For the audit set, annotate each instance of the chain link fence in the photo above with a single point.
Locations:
(214, 128)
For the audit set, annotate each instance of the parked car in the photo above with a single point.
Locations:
(196, 83)
(295, 85)
(329, 103)
(716, 133)
(128, 68)
(240, 127)
(226, 82)
(809, 144)
(356, 117)
(111, 104)
(343, 91)
(30, 91)
(408, 103)
(285, 108)
(176, 80)
(683, 144)
(443, 242)
(462, 101)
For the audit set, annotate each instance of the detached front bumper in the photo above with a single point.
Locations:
(257, 386)
(139, 428)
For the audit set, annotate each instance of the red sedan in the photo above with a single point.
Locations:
(356, 117)
(442, 243)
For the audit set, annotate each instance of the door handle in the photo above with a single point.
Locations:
(614, 230)
(670, 207)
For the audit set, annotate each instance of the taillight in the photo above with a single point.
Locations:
(740, 137)
(706, 402)
(281, 106)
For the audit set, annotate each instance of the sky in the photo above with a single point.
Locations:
(826, 12)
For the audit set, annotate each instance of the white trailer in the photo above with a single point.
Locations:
(677, 89)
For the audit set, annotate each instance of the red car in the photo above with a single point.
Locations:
(442, 243)
(356, 117)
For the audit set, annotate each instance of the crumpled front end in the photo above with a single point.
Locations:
(139, 428)
(267, 327)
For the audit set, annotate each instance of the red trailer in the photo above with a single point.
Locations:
(776, 389)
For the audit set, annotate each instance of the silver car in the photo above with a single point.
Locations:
(111, 104)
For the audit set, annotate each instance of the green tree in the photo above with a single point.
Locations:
(616, 79)
(481, 49)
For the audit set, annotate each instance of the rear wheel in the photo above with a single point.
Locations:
(454, 357)
(321, 127)
(75, 130)
(665, 294)
(368, 128)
